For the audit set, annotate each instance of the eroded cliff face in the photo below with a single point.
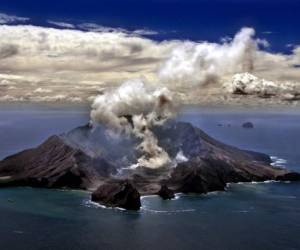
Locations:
(91, 158)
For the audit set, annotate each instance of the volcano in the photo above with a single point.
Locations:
(96, 159)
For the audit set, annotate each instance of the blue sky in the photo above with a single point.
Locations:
(278, 21)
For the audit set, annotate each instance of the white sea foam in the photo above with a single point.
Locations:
(177, 196)
(89, 203)
(148, 196)
(213, 193)
(270, 181)
(252, 183)
(144, 208)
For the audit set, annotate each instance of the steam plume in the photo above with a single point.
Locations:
(203, 63)
(133, 109)
(248, 84)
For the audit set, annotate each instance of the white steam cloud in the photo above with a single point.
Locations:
(203, 63)
(248, 84)
(134, 108)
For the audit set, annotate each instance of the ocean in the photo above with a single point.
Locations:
(257, 216)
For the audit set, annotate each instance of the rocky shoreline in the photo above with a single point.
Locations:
(89, 159)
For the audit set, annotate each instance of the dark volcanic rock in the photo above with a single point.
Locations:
(118, 194)
(248, 125)
(290, 176)
(166, 193)
(54, 164)
(202, 175)
(85, 157)
(196, 177)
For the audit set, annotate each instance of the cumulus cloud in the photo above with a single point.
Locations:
(41, 90)
(36, 49)
(100, 28)
(34, 57)
(145, 32)
(267, 32)
(94, 27)
(8, 50)
(54, 98)
(8, 98)
(289, 45)
(62, 24)
(5, 82)
(7, 19)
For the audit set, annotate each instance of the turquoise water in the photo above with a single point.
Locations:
(247, 216)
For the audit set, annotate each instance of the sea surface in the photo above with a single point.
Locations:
(247, 216)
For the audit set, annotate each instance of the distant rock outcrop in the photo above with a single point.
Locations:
(166, 193)
(88, 158)
(248, 125)
(118, 194)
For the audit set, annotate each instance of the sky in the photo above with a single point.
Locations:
(72, 50)
(277, 20)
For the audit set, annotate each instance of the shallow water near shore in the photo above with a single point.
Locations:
(246, 216)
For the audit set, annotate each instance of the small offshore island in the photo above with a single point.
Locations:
(87, 158)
